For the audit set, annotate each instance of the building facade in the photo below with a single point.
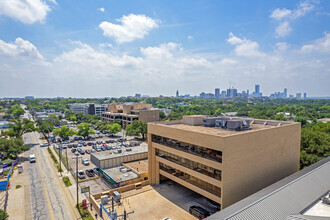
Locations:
(127, 113)
(221, 164)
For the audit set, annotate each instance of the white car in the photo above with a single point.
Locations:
(85, 162)
(81, 174)
(32, 158)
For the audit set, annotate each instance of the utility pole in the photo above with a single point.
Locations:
(60, 160)
(77, 180)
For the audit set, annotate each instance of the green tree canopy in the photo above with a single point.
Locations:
(63, 132)
(3, 215)
(137, 128)
(113, 128)
(53, 119)
(46, 127)
(84, 130)
(18, 127)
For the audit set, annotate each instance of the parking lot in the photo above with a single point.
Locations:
(83, 148)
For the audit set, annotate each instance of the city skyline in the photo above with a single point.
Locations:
(94, 49)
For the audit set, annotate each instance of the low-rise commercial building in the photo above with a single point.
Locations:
(127, 113)
(106, 160)
(224, 159)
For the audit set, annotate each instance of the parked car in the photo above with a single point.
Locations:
(198, 212)
(81, 174)
(93, 150)
(98, 149)
(73, 150)
(96, 170)
(98, 142)
(103, 148)
(76, 153)
(90, 172)
(90, 143)
(88, 151)
(85, 161)
(85, 144)
(107, 141)
(69, 145)
(75, 145)
(107, 147)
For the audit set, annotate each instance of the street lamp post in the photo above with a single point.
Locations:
(77, 180)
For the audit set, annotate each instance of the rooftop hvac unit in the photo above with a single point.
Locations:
(210, 122)
(116, 195)
(104, 199)
(236, 125)
(123, 170)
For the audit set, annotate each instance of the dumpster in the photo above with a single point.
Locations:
(20, 168)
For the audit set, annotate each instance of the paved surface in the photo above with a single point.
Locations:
(47, 198)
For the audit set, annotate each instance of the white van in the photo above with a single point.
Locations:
(32, 158)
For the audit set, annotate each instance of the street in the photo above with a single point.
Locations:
(47, 198)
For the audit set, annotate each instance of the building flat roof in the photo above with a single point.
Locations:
(103, 155)
(118, 176)
(257, 124)
(140, 166)
(290, 198)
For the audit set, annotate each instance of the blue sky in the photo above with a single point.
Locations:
(118, 48)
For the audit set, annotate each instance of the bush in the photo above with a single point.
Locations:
(18, 186)
(84, 213)
(3, 215)
(66, 181)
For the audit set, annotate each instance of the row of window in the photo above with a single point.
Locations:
(190, 148)
(201, 168)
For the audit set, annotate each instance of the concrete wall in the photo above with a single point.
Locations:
(149, 115)
(113, 162)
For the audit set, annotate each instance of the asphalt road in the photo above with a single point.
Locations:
(48, 201)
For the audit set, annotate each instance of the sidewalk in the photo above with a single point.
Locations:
(72, 190)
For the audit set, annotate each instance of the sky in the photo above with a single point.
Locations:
(112, 48)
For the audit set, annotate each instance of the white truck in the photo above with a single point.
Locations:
(32, 158)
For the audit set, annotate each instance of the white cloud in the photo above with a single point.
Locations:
(281, 46)
(163, 51)
(285, 15)
(279, 14)
(106, 45)
(20, 47)
(319, 45)
(283, 29)
(226, 61)
(190, 37)
(101, 9)
(244, 47)
(132, 27)
(26, 11)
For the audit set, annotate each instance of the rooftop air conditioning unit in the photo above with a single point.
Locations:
(104, 199)
(116, 195)
(236, 125)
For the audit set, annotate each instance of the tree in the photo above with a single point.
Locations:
(18, 127)
(162, 115)
(16, 111)
(46, 127)
(53, 119)
(73, 118)
(15, 145)
(63, 132)
(3, 215)
(137, 128)
(85, 130)
(113, 128)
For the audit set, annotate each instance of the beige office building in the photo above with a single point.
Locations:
(129, 112)
(224, 159)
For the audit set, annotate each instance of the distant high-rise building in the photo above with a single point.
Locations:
(138, 96)
(257, 89)
(285, 93)
(29, 97)
(305, 95)
(248, 92)
(298, 95)
(231, 92)
(177, 93)
(217, 93)
(291, 96)
(223, 94)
